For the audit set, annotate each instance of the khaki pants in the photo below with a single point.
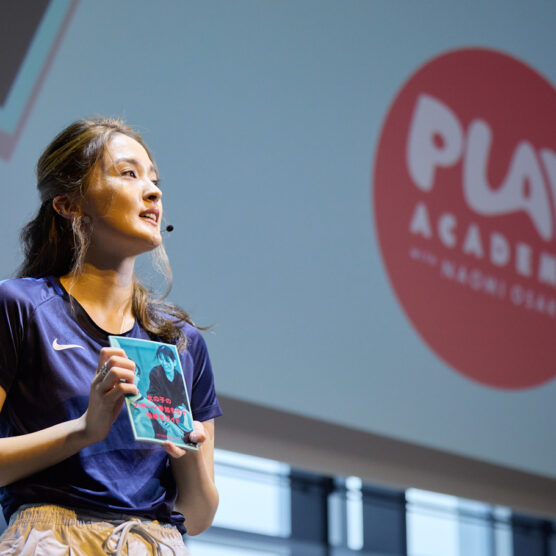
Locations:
(55, 531)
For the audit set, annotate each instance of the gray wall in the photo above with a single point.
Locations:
(265, 120)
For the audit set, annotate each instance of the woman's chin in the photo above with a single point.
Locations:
(157, 240)
(154, 240)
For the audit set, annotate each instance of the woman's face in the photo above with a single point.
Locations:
(123, 201)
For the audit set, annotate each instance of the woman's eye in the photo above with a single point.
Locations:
(130, 173)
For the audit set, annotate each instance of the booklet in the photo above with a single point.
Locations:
(161, 410)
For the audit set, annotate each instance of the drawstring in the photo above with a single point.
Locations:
(119, 535)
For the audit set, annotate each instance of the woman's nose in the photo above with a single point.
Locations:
(152, 191)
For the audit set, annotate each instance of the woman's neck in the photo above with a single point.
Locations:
(106, 295)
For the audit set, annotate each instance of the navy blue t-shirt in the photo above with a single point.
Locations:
(48, 358)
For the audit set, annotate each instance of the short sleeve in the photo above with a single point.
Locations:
(13, 316)
(204, 403)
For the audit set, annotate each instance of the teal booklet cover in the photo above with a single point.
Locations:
(161, 410)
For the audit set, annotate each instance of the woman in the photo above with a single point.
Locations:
(70, 471)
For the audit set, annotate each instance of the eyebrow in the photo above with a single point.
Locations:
(135, 162)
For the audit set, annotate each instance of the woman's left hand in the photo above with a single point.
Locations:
(198, 436)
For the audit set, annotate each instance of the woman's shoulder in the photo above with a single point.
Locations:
(195, 345)
(27, 291)
(191, 331)
(194, 341)
(193, 334)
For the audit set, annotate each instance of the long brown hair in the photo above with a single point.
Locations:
(54, 245)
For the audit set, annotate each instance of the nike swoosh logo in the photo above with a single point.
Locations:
(60, 347)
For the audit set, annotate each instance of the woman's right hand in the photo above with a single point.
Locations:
(113, 381)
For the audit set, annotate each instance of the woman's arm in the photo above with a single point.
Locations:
(194, 474)
(21, 456)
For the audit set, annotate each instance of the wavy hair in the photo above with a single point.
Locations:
(54, 245)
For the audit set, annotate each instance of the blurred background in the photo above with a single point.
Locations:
(386, 375)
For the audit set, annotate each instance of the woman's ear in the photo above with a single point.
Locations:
(64, 207)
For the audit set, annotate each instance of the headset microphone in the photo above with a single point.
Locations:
(169, 228)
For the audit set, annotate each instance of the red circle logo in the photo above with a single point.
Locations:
(465, 210)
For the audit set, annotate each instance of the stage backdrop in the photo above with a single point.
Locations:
(363, 195)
